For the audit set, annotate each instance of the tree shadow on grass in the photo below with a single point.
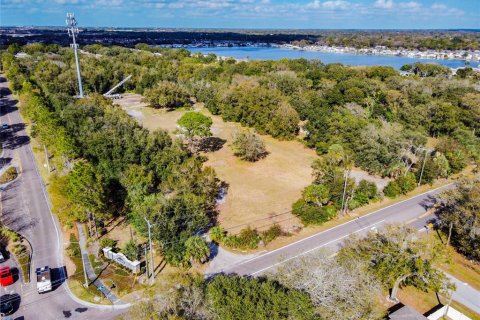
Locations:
(211, 144)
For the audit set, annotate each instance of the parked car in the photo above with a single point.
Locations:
(6, 277)
(2, 257)
(6, 306)
(5, 126)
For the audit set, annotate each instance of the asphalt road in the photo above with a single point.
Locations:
(25, 209)
(412, 211)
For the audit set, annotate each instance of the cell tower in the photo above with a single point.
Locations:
(72, 30)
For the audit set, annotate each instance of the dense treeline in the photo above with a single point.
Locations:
(107, 164)
(422, 40)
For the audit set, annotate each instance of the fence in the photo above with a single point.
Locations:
(449, 312)
(121, 259)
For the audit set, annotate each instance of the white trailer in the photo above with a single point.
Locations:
(44, 283)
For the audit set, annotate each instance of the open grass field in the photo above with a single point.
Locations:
(256, 191)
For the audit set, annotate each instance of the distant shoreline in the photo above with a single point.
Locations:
(472, 55)
(465, 55)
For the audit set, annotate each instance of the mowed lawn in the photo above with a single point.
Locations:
(258, 193)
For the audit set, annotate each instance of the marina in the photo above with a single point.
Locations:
(347, 58)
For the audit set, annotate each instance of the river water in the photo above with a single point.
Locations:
(274, 53)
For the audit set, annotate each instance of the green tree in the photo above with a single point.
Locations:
(130, 250)
(234, 297)
(248, 146)
(459, 216)
(195, 126)
(406, 183)
(365, 192)
(396, 257)
(316, 193)
(313, 214)
(196, 249)
(85, 189)
(167, 94)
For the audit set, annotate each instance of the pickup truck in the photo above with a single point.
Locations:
(44, 283)
(6, 277)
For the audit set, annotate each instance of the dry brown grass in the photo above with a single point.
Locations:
(256, 191)
(425, 301)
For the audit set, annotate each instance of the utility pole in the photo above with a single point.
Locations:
(423, 167)
(344, 191)
(152, 266)
(72, 30)
(46, 157)
(146, 261)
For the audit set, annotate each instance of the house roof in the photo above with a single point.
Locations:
(406, 313)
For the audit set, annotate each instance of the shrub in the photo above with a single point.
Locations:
(232, 241)
(217, 234)
(130, 250)
(312, 214)
(407, 183)
(107, 242)
(272, 233)
(248, 238)
(73, 248)
(248, 146)
(392, 190)
(364, 193)
(454, 152)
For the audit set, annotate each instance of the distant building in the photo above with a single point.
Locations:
(21, 55)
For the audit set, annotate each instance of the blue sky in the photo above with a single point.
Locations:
(303, 14)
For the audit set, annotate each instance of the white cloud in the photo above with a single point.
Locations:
(337, 4)
(412, 5)
(441, 9)
(383, 4)
(439, 6)
(328, 5)
(66, 1)
(316, 4)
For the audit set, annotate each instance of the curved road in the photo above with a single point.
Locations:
(26, 209)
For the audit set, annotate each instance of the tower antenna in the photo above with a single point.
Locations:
(72, 30)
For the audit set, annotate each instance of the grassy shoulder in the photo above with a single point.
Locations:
(457, 265)
(76, 280)
(20, 249)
